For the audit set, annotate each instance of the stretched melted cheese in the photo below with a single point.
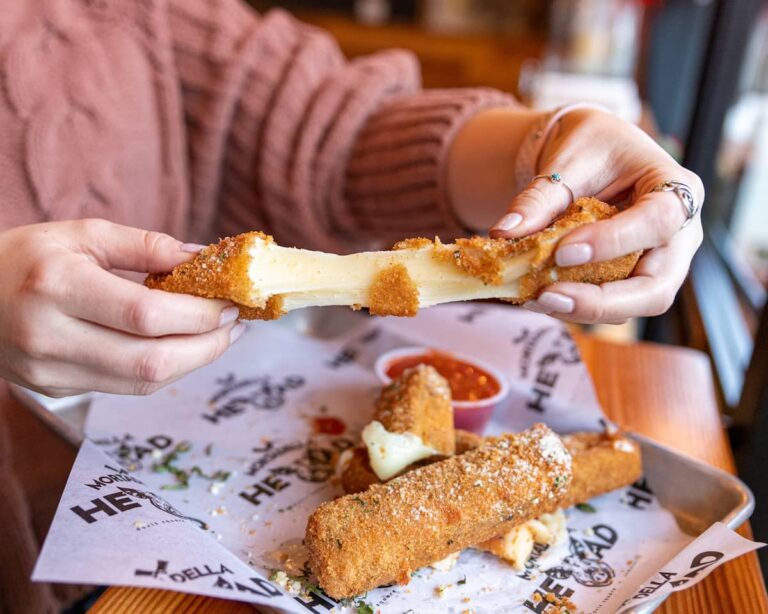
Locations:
(303, 277)
(516, 545)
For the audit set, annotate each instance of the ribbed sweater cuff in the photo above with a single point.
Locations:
(396, 178)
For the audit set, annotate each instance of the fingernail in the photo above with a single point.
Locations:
(509, 221)
(556, 302)
(192, 248)
(534, 306)
(228, 315)
(236, 332)
(573, 254)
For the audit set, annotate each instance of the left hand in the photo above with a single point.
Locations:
(600, 155)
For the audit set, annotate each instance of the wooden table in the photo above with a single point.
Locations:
(662, 392)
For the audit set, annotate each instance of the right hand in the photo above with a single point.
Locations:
(69, 325)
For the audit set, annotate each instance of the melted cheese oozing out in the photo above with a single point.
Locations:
(304, 277)
(344, 459)
(516, 546)
(390, 453)
(447, 563)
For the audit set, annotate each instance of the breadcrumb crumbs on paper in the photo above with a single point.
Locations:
(393, 293)
(441, 589)
(556, 605)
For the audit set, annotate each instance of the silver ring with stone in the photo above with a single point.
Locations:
(685, 194)
(558, 179)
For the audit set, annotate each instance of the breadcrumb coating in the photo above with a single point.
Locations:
(602, 462)
(221, 271)
(419, 401)
(393, 293)
(413, 243)
(484, 258)
(359, 542)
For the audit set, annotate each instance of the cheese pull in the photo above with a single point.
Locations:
(267, 280)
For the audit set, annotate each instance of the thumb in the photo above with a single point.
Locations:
(114, 246)
(533, 209)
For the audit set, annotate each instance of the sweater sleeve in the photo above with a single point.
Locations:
(285, 135)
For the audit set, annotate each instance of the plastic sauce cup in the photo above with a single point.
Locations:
(467, 415)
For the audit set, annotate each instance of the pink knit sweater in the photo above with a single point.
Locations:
(200, 119)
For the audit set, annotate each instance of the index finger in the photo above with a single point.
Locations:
(104, 298)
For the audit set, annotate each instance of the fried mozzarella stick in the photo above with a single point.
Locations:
(266, 280)
(379, 536)
(601, 462)
(412, 420)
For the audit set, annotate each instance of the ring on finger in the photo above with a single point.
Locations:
(685, 194)
(558, 179)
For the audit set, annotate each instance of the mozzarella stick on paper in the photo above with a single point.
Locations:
(379, 536)
(601, 463)
(412, 420)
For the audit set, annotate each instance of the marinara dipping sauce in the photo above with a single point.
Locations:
(468, 382)
(476, 388)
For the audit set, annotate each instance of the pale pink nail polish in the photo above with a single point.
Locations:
(554, 301)
(509, 221)
(236, 332)
(573, 254)
(192, 248)
(228, 315)
(536, 307)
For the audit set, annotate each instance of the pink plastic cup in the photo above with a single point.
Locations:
(467, 415)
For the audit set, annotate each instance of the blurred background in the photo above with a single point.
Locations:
(694, 75)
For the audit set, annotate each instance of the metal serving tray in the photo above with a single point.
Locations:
(697, 494)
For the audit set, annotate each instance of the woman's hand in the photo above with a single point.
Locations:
(600, 155)
(68, 325)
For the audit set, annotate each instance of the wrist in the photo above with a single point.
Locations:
(480, 161)
(540, 136)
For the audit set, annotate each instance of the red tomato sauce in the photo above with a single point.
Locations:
(468, 382)
(328, 425)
